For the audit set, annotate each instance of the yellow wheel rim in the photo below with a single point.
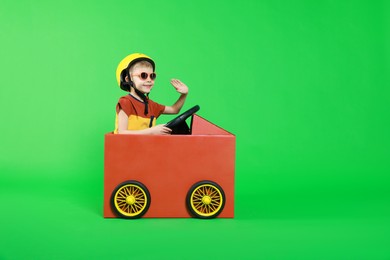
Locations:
(206, 200)
(130, 200)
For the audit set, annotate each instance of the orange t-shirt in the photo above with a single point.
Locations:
(135, 110)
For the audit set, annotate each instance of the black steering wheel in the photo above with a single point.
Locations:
(182, 117)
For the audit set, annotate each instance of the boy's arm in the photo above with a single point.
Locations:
(183, 90)
(156, 130)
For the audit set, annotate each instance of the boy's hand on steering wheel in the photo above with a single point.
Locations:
(160, 130)
(179, 86)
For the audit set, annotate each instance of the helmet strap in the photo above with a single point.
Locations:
(139, 93)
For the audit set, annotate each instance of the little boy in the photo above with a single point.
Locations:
(135, 112)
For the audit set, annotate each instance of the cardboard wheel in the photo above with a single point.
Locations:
(205, 199)
(130, 199)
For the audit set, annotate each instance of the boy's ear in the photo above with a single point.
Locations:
(125, 84)
(123, 76)
(128, 81)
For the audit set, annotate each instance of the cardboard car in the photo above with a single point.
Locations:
(170, 176)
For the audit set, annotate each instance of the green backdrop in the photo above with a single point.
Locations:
(303, 85)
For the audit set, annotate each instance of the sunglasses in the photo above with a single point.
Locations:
(144, 75)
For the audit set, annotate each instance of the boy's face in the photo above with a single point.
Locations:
(143, 85)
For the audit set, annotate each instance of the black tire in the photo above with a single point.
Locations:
(205, 199)
(130, 199)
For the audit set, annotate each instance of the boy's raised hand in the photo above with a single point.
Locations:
(179, 86)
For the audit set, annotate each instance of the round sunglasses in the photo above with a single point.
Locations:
(145, 75)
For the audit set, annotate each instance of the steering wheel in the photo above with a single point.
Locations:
(182, 117)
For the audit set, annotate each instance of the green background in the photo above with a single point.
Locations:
(303, 85)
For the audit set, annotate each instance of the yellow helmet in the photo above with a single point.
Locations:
(126, 63)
